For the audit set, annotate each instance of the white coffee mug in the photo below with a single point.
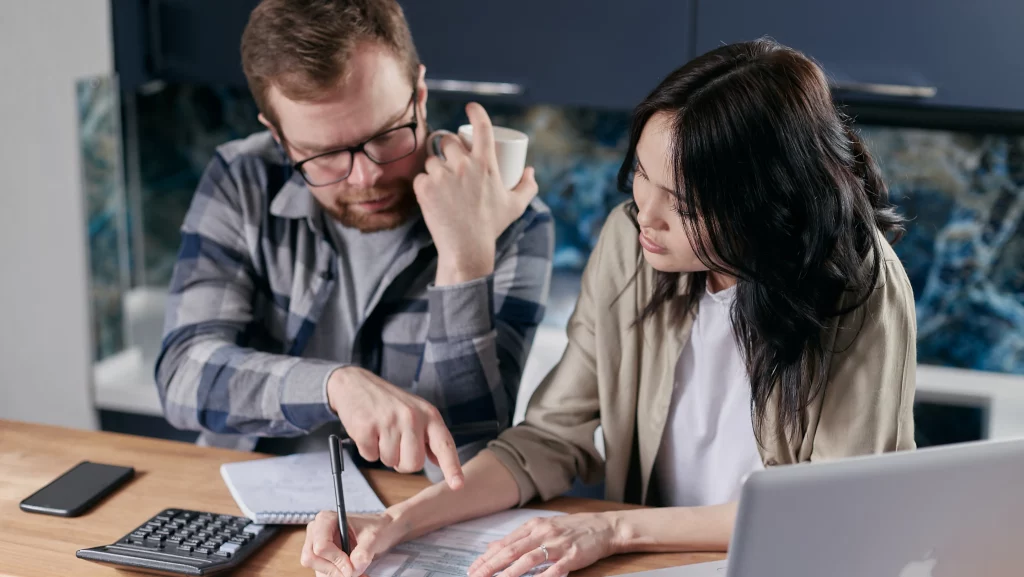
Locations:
(510, 148)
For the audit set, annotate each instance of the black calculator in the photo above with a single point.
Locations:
(181, 542)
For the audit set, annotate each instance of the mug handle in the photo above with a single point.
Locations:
(434, 142)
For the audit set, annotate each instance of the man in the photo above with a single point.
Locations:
(330, 271)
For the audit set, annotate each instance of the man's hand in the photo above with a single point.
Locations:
(387, 423)
(464, 204)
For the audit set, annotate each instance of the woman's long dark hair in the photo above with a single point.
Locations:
(777, 190)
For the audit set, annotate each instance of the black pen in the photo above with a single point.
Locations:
(337, 468)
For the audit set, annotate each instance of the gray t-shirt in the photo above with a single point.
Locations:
(363, 260)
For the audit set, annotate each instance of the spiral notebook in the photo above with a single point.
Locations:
(293, 489)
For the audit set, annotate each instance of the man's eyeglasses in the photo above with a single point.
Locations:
(336, 165)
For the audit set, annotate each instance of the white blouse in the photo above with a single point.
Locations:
(708, 445)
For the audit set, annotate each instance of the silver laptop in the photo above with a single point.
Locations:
(949, 511)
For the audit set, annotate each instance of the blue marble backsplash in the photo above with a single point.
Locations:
(964, 248)
(964, 194)
(105, 208)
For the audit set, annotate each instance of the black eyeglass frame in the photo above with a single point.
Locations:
(361, 147)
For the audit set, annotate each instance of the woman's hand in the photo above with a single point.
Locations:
(572, 542)
(370, 535)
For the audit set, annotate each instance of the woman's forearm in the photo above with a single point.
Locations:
(488, 488)
(674, 529)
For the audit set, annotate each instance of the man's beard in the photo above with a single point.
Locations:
(403, 208)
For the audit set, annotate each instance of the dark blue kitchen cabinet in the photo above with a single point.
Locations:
(604, 53)
(969, 54)
(610, 53)
(179, 40)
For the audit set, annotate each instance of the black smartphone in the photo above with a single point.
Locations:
(77, 490)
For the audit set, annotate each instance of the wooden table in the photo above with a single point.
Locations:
(171, 474)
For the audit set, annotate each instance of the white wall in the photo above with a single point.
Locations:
(45, 46)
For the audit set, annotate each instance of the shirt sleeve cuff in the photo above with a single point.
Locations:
(304, 394)
(527, 488)
(462, 311)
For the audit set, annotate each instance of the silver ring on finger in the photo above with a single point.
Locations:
(544, 549)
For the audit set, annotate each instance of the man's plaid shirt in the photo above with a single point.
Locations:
(254, 273)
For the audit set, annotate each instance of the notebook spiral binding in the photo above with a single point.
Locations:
(284, 518)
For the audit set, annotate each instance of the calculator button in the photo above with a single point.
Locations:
(163, 518)
(185, 547)
(175, 539)
(230, 548)
(203, 551)
(253, 529)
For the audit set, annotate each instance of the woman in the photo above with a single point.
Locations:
(744, 311)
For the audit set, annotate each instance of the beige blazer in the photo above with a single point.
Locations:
(621, 376)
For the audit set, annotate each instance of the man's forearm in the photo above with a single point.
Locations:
(673, 529)
(199, 378)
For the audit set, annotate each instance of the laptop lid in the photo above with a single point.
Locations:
(938, 512)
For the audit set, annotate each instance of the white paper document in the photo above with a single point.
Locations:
(450, 551)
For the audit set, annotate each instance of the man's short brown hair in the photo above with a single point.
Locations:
(303, 46)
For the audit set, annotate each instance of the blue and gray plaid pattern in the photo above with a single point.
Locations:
(254, 273)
